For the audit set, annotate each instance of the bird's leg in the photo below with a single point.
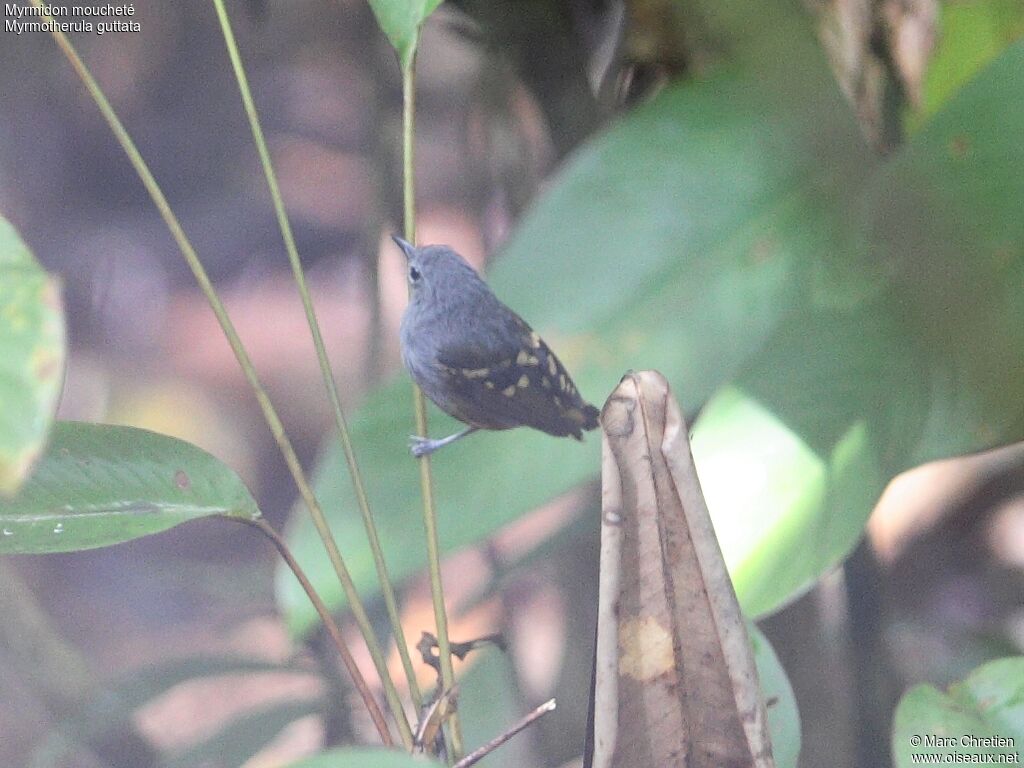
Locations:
(422, 446)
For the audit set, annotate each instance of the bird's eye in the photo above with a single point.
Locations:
(414, 275)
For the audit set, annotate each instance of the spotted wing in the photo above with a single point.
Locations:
(516, 382)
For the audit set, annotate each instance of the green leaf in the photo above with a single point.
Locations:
(365, 758)
(400, 20)
(847, 318)
(691, 221)
(988, 704)
(243, 737)
(490, 703)
(99, 485)
(32, 351)
(972, 33)
(813, 427)
(793, 455)
(783, 716)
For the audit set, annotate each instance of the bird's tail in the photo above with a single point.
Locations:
(581, 417)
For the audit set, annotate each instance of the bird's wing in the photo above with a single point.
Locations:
(515, 381)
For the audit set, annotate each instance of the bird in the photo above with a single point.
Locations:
(476, 359)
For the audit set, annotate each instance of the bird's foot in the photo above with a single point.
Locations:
(423, 446)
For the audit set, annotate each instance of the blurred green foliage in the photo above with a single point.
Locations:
(842, 317)
(32, 352)
(971, 34)
(987, 704)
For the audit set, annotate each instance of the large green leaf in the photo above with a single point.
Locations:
(98, 485)
(32, 350)
(867, 316)
(365, 758)
(489, 704)
(972, 33)
(400, 20)
(689, 222)
(981, 716)
(839, 401)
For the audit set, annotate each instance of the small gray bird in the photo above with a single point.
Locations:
(477, 359)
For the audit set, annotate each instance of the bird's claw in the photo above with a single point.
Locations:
(421, 446)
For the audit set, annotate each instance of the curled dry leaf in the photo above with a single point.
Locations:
(675, 680)
(872, 42)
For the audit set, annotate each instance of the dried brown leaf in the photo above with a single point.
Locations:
(675, 677)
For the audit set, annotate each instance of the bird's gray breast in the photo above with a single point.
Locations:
(423, 335)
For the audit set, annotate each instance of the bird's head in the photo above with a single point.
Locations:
(436, 272)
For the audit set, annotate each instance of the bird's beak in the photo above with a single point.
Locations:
(407, 248)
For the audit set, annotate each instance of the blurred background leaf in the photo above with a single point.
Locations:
(489, 704)
(987, 703)
(783, 716)
(737, 230)
(99, 485)
(32, 351)
(626, 262)
(973, 33)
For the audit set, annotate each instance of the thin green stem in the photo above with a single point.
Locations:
(362, 500)
(453, 735)
(329, 623)
(269, 413)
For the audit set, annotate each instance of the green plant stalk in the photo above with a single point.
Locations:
(359, 486)
(269, 413)
(453, 734)
(329, 623)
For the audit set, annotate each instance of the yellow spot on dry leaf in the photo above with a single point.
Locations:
(645, 649)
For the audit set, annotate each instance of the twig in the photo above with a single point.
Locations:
(479, 754)
(325, 615)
